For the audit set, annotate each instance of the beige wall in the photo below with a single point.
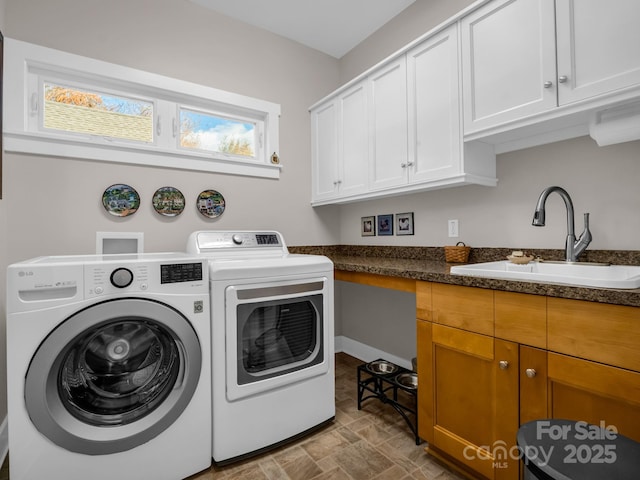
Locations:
(601, 180)
(3, 266)
(53, 206)
(419, 18)
(55, 203)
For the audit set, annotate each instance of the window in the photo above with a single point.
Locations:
(213, 133)
(79, 107)
(79, 110)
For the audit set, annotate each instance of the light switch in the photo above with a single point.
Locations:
(453, 228)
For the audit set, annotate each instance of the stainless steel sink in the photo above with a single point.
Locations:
(578, 274)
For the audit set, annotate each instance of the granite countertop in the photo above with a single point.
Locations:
(428, 264)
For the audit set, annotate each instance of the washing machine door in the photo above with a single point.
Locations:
(113, 376)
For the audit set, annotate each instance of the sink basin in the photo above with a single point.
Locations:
(578, 274)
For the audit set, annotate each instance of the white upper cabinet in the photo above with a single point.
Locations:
(499, 76)
(388, 125)
(510, 49)
(397, 129)
(434, 108)
(598, 47)
(508, 62)
(340, 143)
(353, 140)
(324, 151)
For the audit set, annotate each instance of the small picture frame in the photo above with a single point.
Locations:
(385, 225)
(404, 223)
(368, 226)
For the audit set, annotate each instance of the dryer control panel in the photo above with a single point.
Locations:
(237, 243)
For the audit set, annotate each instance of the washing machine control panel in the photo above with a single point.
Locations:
(180, 277)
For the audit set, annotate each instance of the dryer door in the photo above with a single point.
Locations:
(113, 376)
(277, 333)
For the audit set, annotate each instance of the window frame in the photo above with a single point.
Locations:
(28, 67)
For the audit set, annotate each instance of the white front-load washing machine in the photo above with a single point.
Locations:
(272, 341)
(108, 367)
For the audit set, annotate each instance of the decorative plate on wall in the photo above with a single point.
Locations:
(210, 203)
(168, 201)
(121, 200)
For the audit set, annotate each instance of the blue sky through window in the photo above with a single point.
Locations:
(209, 132)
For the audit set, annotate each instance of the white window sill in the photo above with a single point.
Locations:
(50, 145)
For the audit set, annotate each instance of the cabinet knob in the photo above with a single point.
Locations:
(403, 165)
(503, 364)
(548, 84)
(562, 78)
(409, 164)
(531, 372)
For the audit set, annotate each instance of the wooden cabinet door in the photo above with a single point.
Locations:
(388, 127)
(324, 156)
(594, 393)
(508, 55)
(471, 414)
(353, 141)
(434, 104)
(597, 47)
(533, 384)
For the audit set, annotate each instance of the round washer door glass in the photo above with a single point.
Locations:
(113, 376)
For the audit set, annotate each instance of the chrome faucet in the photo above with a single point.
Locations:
(573, 248)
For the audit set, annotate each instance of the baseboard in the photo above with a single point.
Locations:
(367, 353)
(4, 441)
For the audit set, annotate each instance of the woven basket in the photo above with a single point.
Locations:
(457, 254)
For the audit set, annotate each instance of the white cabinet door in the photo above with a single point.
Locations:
(508, 62)
(434, 108)
(324, 153)
(353, 141)
(598, 47)
(388, 127)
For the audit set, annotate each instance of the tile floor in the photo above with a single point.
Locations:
(371, 444)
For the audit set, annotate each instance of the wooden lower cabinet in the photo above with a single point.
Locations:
(533, 384)
(475, 388)
(471, 412)
(595, 393)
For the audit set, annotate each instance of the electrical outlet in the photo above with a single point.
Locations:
(453, 228)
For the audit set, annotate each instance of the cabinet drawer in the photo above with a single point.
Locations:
(604, 333)
(521, 318)
(467, 308)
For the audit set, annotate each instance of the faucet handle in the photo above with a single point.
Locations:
(586, 233)
(585, 238)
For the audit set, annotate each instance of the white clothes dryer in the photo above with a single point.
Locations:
(108, 366)
(272, 341)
